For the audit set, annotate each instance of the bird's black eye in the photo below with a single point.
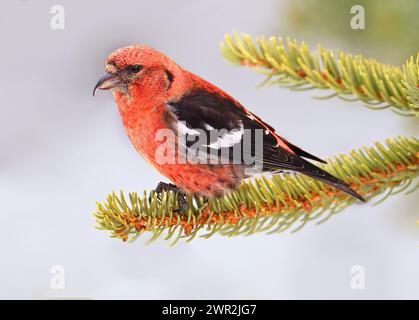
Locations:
(135, 68)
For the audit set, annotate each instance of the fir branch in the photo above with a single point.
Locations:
(268, 204)
(350, 77)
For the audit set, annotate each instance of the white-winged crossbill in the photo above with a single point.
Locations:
(155, 96)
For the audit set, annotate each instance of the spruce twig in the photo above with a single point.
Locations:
(271, 205)
(349, 77)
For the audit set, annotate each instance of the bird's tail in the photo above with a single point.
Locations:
(319, 174)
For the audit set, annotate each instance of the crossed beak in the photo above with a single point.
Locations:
(108, 81)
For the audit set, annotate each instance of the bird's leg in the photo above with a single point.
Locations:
(181, 195)
(205, 199)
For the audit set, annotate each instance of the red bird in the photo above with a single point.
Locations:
(166, 109)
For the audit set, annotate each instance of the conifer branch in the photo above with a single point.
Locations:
(268, 204)
(350, 77)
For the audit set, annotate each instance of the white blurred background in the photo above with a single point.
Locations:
(62, 150)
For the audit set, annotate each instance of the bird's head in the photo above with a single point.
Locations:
(135, 67)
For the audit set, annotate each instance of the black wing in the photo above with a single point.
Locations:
(209, 112)
(203, 113)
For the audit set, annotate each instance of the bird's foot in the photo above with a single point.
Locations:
(181, 195)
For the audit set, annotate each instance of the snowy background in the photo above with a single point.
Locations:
(62, 150)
